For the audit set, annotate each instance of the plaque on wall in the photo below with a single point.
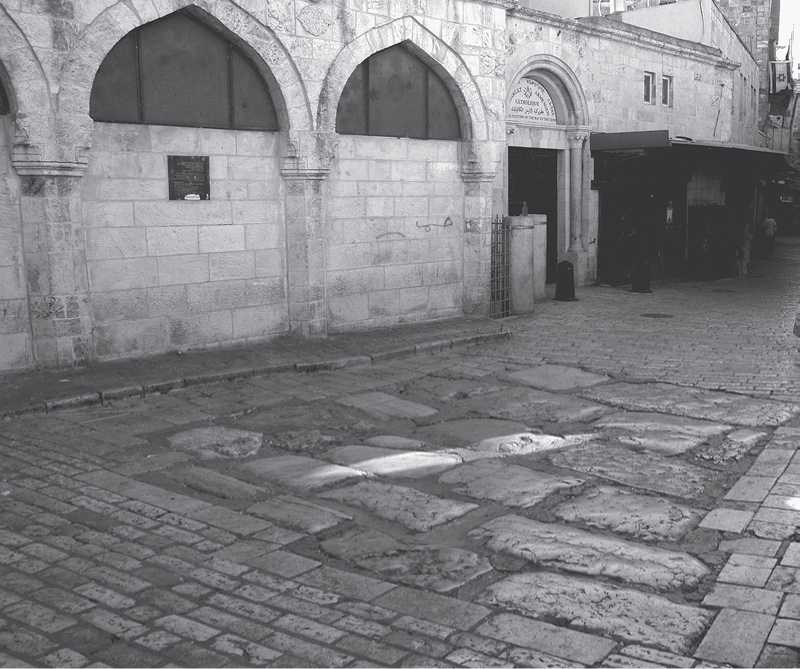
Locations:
(188, 178)
(531, 103)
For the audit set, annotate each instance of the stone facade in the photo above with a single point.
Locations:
(307, 231)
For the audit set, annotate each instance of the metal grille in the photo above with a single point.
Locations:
(500, 305)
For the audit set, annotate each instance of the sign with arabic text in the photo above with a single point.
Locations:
(531, 103)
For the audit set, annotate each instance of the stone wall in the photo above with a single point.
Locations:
(395, 232)
(15, 328)
(166, 275)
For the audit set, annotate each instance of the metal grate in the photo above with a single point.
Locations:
(500, 305)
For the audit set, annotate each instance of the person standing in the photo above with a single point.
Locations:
(769, 228)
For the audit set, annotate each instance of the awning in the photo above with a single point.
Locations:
(660, 139)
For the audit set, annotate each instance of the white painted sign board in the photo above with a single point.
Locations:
(531, 103)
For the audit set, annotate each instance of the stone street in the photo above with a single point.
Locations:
(617, 484)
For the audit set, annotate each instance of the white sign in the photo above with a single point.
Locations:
(530, 102)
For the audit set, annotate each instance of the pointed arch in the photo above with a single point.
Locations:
(25, 83)
(267, 52)
(561, 83)
(429, 48)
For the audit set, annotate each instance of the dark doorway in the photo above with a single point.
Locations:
(533, 183)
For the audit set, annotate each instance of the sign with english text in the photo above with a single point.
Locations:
(531, 103)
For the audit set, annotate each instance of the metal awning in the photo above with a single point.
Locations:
(660, 139)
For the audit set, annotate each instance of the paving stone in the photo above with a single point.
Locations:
(121, 654)
(751, 488)
(563, 547)
(40, 617)
(226, 621)
(466, 657)
(300, 472)
(768, 530)
(190, 654)
(617, 660)
(105, 596)
(534, 407)
(440, 568)
(519, 443)
(781, 516)
(436, 608)
(382, 405)
(786, 579)
(186, 627)
(392, 463)
(64, 657)
(308, 628)
(733, 447)
(255, 653)
(158, 641)
(791, 607)
(23, 642)
(625, 512)
(400, 443)
(299, 513)
(547, 638)
(283, 563)
(778, 656)
(751, 570)
(695, 403)
(374, 650)
(786, 633)
(771, 462)
(305, 608)
(214, 483)
(241, 607)
(412, 508)
(232, 521)
(727, 520)
(659, 657)
(782, 502)
(649, 471)
(320, 655)
(786, 437)
(114, 623)
(741, 597)
(58, 599)
(417, 626)
(589, 605)
(350, 585)
(659, 432)
(465, 431)
(735, 637)
(556, 377)
(509, 484)
(791, 558)
(209, 443)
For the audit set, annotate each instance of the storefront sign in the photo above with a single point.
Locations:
(531, 103)
(188, 178)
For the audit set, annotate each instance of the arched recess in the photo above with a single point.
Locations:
(561, 83)
(429, 48)
(266, 51)
(26, 87)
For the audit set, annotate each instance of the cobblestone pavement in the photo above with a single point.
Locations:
(606, 489)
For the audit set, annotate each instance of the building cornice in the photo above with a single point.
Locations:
(49, 168)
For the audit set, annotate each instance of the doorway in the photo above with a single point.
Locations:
(533, 183)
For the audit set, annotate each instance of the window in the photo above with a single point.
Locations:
(178, 71)
(666, 91)
(393, 93)
(650, 88)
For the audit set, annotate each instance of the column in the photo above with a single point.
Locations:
(576, 144)
(55, 261)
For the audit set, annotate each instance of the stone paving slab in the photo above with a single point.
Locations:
(299, 472)
(392, 463)
(215, 483)
(299, 513)
(217, 442)
(508, 484)
(564, 547)
(649, 471)
(382, 405)
(598, 607)
(556, 377)
(625, 512)
(695, 403)
(533, 407)
(413, 509)
(744, 598)
(735, 637)
(461, 432)
(435, 608)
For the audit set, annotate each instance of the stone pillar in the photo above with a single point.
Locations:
(478, 193)
(305, 250)
(55, 261)
(577, 140)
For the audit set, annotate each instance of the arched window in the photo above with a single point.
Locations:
(394, 93)
(178, 71)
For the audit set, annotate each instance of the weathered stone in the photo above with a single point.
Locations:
(412, 508)
(438, 568)
(659, 657)
(563, 547)
(470, 430)
(736, 638)
(729, 596)
(299, 513)
(591, 605)
(522, 443)
(727, 520)
(218, 442)
(393, 463)
(547, 638)
(214, 483)
(556, 377)
(735, 445)
(667, 434)
(301, 441)
(626, 512)
(649, 471)
(510, 484)
(535, 407)
(400, 443)
(435, 608)
(751, 488)
(695, 402)
(383, 405)
(299, 472)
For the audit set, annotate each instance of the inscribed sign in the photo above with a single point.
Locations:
(188, 177)
(531, 102)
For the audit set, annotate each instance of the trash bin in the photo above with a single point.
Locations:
(640, 277)
(565, 281)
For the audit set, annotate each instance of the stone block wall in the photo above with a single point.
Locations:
(15, 327)
(166, 275)
(395, 232)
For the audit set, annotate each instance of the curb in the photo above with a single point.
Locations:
(165, 386)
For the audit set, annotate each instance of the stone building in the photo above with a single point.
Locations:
(178, 174)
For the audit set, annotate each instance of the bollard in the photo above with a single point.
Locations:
(565, 281)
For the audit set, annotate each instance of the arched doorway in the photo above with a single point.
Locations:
(546, 122)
